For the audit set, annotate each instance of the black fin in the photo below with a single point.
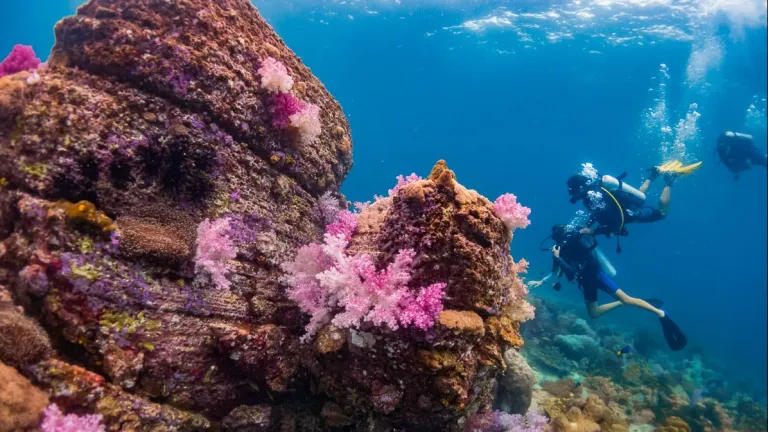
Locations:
(621, 176)
(675, 337)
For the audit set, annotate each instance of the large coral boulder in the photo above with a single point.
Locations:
(515, 392)
(153, 126)
(155, 177)
(427, 380)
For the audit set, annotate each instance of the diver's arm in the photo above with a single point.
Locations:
(534, 284)
(602, 230)
(569, 270)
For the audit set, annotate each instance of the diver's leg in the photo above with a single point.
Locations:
(596, 311)
(589, 287)
(758, 157)
(642, 304)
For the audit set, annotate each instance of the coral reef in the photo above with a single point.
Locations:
(168, 179)
(643, 390)
(500, 421)
(433, 374)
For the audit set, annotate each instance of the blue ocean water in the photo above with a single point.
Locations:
(515, 96)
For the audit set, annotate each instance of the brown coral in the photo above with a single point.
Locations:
(564, 388)
(22, 340)
(21, 404)
(675, 424)
(584, 414)
(156, 233)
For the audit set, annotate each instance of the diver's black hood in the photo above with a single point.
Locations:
(577, 186)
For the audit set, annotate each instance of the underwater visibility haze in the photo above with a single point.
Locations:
(200, 161)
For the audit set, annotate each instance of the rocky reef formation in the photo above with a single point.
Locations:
(427, 380)
(155, 176)
(644, 390)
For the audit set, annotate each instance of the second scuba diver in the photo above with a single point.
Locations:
(612, 204)
(738, 152)
(574, 254)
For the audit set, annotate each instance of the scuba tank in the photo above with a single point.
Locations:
(605, 265)
(613, 184)
(737, 136)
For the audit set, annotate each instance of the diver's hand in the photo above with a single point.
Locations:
(586, 230)
(556, 251)
(534, 284)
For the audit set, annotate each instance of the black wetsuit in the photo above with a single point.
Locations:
(738, 152)
(578, 261)
(608, 215)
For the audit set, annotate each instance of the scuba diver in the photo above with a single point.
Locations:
(576, 255)
(612, 204)
(738, 152)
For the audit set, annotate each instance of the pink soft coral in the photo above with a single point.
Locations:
(307, 122)
(344, 225)
(21, 58)
(55, 421)
(520, 310)
(283, 106)
(334, 287)
(215, 250)
(402, 182)
(274, 76)
(511, 212)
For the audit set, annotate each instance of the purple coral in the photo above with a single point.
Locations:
(21, 58)
(55, 421)
(332, 286)
(499, 421)
(274, 76)
(402, 182)
(329, 207)
(215, 250)
(283, 106)
(511, 212)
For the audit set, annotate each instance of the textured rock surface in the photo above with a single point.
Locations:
(149, 120)
(154, 114)
(428, 380)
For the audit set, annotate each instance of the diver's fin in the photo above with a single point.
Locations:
(677, 167)
(688, 169)
(675, 337)
(654, 302)
(670, 166)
